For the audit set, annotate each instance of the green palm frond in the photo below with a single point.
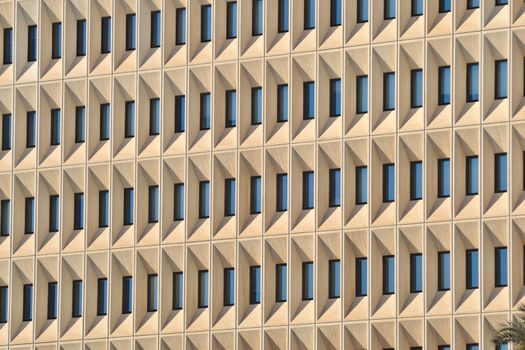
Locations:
(513, 331)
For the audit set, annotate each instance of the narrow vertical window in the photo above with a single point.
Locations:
(472, 4)
(131, 36)
(104, 122)
(443, 271)
(77, 299)
(178, 290)
(444, 347)
(501, 2)
(388, 183)
(5, 217)
(362, 11)
(335, 97)
(255, 285)
(416, 88)
(504, 346)
(334, 279)
(29, 224)
(128, 206)
(417, 8)
(257, 17)
(8, 46)
(153, 204)
(127, 285)
(472, 347)
(81, 37)
(203, 289)
(78, 211)
(472, 271)
(32, 42)
(103, 208)
(229, 286)
(362, 94)
(444, 85)
(204, 199)
(80, 124)
(471, 175)
(180, 31)
(205, 23)
(282, 16)
(129, 119)
(52, 300)
(308, 280)
(4, 303)
(180, 113)
(501, 79)
(229, 197)
(472, 82)
(443, 178)
(308, 100)
(56, 40)
(389, 91)
(280, 283)
(255, 195)
(231, 19)
(282, 192)
(152, 294)
(309, 14)
(389, 9)
(231, 109)
(361, 270)
(257, 106)
(335, 13)
(282, 103)
(308, 190)
(334, 188)
(416, 273)
(55, 127)
(27, 305)
(105, 41)
(155, 29)
(179, 202)
(361, 185)
(416, 180)
(205, 111)
(102, 297)
(54, 204)
(31, 129)
(500, 172)
(388, 274)
(501, 266)
(445, 6)
(6, 132)
(154, 116)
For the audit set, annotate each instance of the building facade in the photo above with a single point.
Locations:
(261, 174)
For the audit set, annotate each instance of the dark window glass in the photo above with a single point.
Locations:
(229, 197)
(76, 310)
(500, 257)
(81, 37)
(388, 274)
(362, 11)
(443, 271)
(179, 202)
(472, 175)
(205, 111)
(416, 88)
(361, 185)
(416, 180)
(4, 303)
(472, 271)
(231, 19)
(500, 172)
(6, 132)
(257, 17)
(361, 277)
(388, 182)
(335, 97)
(501, 2)
(472, 4)
(105, 46)
(255, 285)
(335, 13)
(8, 47)
(56, 40)
(362, 94)
(389, 9)
(52, 300)
(79, 211)
(180, 31)
(54, 216)
(416, 273)
(444, 85)
(231, 109)
(257, 106)
(128, 206)
(27, 307)
(443, 177)
(255, 195)
(129, 119)
(31, 129)
(5, 217)
(445, 5)
(472, 347)
(501, 79)
(32, 42)
(203, 289)
(389, 91)
(444, 347)
(104, 121)
(127, 287)
(280, 283)
(502, 346)
(282, 103)
(152, 295)
(334, 188)
(205, 23)
(282, 16)
(55, 127)
(102, 296)
(334, 279)
(153, 204)
(308, 190)
(154, 116)
(131, 35)
(180, 107)
(417, 8)
(204, 199)
(80, 129)
(308, 280)
(178, 290)
(29, 226)
(155, 29)
(472, 82)
(308, 100)
(309, 14)
(282, 192)
(229, 286)
(103, 208)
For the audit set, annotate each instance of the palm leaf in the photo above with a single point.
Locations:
(513, 331)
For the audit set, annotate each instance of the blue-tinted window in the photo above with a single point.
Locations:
(76, 310)
(180, 113)
(472, 175)
(334, 188)
(204, 199)
(255, 195)
(388, 183)
(308, 190)
(445, 5)
(231, 109)
(361, 94)
(52, 300)
(501, 2)
(128, 206)
(500, 257)
(104, 121)
(231, 19)
(203, 289)
(282, 103)
(6, 132)
(416, 180)
(501, 79)
(389, 91)
(500, 172)
(444, 347)
(78, 220)
(31, 129)
(205, 109)
(417, 8)
(153, 204)
(32, 42)
(8, 46)
(105, 35)
(334, 279)
(81, 37)
(152, 295)
(416, 273)
(280, 283)
(29, 217)
(389, 9)
(282, 192)
(443, 178)
(257, 17)
(443, 271)
(309, 14)
(4, 303)
(472, 347)
(257, 105)
(5, 217)
(179, 202)
(361, 277)
(255, 285)
(205, 23)
(127, 287)
(229, 197)
(56, 40)
(54, 214)
(504, 346)
(180, 31)
(129, 119)
(27, 307)
(335, 13)
(55, 127)
(229, 286)
(282, 16)
(154, 116)
(308, 100)
(178, 290)
(308, 280)
(444, 85)
(80, 122)
(102, 296)
(103, 208)
(131, 34)
(416, 88)
(388, 274)
(472, 82)
(361, 185)
(472, 4)
(335, 97)
(155, 29)
(472, 270)
(362, 11)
